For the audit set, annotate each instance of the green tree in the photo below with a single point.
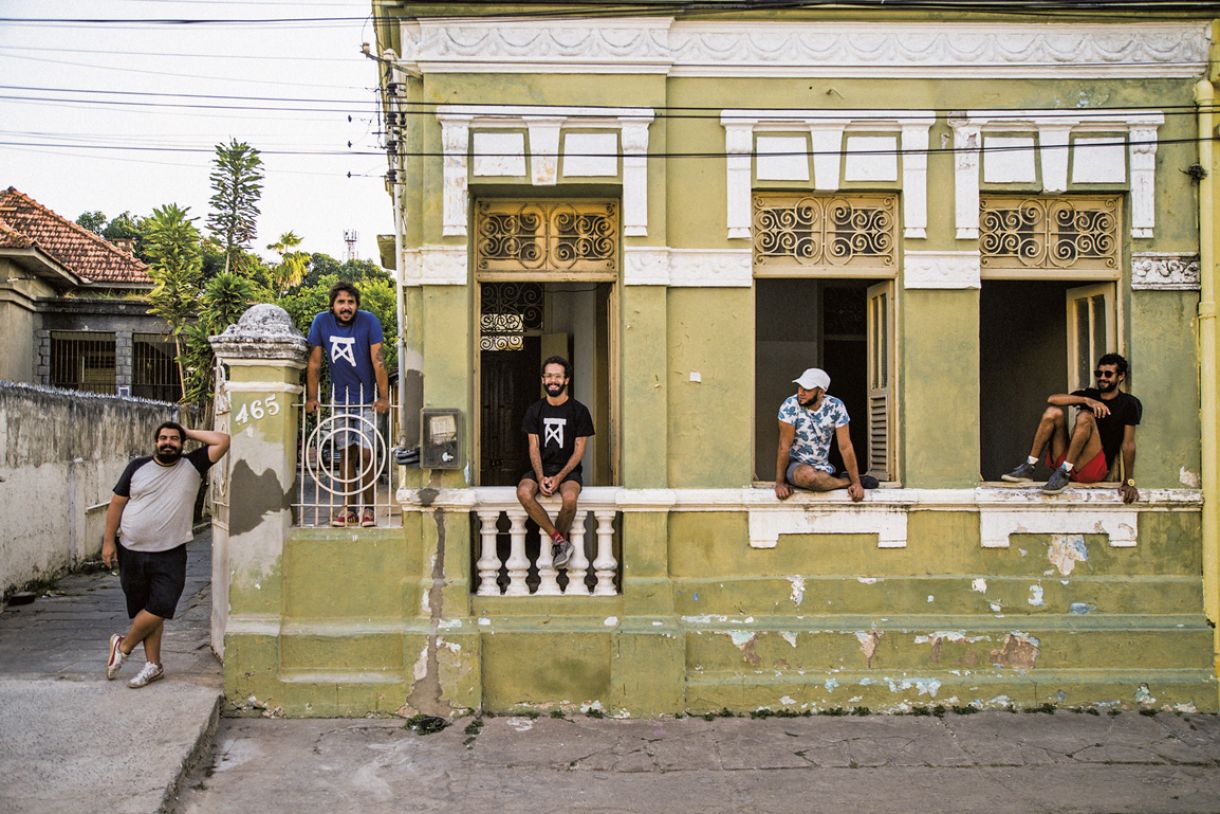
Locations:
(237, 186)
(293, 265)
(94, 221)
(221, 303)
(175, 265)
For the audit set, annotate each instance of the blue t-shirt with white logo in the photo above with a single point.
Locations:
(347, 351)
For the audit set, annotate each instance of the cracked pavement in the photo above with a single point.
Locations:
(993, 761)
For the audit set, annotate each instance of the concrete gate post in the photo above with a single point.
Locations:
(264, 354)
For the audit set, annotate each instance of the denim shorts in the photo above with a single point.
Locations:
(792, 465)
(353, 426)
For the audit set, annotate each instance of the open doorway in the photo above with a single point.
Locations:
(521, 324)
(1036, 338)
(802, 323)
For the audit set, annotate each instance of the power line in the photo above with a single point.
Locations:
(715, 154)
(594, 111)
(177, 54)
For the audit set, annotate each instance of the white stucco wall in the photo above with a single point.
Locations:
(60, 454)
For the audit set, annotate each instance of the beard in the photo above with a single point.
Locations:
(1108, 386)
(168, 455)
(345, 318)
(555, 390)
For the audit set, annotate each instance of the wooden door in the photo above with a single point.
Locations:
(509, 382)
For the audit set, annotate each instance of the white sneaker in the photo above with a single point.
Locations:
(114, 661)
(148, 674)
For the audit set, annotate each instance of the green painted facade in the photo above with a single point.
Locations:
(388, 621)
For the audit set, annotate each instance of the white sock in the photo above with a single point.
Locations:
(1031, 460)
(1066, 466)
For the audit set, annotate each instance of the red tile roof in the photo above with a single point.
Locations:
(76, 248)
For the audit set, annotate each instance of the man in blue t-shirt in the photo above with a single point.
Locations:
(360, 386)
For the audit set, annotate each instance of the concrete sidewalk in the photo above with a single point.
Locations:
(71, 741)
(996, 762)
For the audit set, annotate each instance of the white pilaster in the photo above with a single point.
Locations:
(966, 181)
(915, 180)
(635, 176)
(739, 149)
(455, 141)
(1143, 181)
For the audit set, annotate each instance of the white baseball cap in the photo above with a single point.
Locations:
(813, 378)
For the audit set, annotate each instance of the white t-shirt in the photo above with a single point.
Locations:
(161, 502)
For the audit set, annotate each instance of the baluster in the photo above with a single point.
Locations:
(518, 564)
(548, 584)
(605, 563)
(489, 562)
(578, 566)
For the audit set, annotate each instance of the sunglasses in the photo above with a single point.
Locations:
(1105, 374)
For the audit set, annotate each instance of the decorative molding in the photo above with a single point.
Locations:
(1137, 128)
(1099, 161)
(688, 268)
(782, 158)
(870, 158)
(435, 265)
(645, 266)
(590, 155)
(940, 269)
(545, 125)
(827, 129)
(786, 48)
(1165, 271)
(1009, 160)
(887, 522)
(1119, 523)
(499, 155)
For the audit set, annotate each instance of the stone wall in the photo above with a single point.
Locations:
(60, 455)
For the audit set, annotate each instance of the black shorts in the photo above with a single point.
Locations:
(571, 476)
(152, 580)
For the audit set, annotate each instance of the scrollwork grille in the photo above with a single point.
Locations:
(507, 312)
(573, 238)
(812, 232)
(1075, 233)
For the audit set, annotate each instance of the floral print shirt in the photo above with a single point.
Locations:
(815, 429)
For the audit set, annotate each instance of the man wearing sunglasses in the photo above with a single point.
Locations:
(1105, 426)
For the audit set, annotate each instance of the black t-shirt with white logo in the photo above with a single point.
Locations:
(1125, 410)
(557, 429)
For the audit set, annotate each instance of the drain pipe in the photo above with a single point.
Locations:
(1205, 98)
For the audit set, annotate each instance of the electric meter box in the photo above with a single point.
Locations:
(440, 438)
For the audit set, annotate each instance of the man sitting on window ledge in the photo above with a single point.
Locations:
(807, 421)
(1105, 425)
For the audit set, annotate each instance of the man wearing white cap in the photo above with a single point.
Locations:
(807, 422)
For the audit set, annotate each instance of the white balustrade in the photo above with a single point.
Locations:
(604, 566)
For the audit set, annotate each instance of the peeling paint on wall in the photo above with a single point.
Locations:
(1020, 652)
(798, 590)
(1189, 478)
(1066, 550)
(1035, 595)
(1143, 695)
(979, 586)
(868, 643)
(789, 637)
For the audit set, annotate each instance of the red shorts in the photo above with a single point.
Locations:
(1092, 472)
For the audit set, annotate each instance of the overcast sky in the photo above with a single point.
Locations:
(74, 148)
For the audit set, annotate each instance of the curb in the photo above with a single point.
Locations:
(195, 758)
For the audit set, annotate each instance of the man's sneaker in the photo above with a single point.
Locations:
(148, 674)
(368, 519)
(1058, 482)
(345, 518)
(1022, 474)
(114, 661)
(561, 552)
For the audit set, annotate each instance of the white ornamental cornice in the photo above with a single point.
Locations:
(625, 45)
(1165, 271)
(786, 49)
